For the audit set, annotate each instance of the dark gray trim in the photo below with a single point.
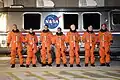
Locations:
(59, 9)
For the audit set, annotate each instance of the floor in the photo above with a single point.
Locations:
(61, 73)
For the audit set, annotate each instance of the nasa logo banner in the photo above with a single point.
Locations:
(52, 21)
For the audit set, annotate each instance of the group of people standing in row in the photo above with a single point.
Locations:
(61, 42)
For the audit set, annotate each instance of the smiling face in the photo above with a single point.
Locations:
(90, 28)
(31, 30)
(14, 27)
(59, 30)
(72, 27)
(45, 27)
(103, 27)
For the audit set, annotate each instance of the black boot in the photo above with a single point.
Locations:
(103, 64)
(58, 65)
(22, 65)
(78, 65)
(13, 66)
(49, 65)
(71, 65)
(107, 64)
(92, 65)
(34, 65)
(27, 66)
(46, 63)
(86, 65)
(43, 65)
(65, 65)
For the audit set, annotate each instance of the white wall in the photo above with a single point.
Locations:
(84, 3)
(8, 3)
(100, 2)
(44, 3)
(39, 3)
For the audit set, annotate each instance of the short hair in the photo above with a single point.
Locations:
(104, 25)
(46, 25)
(15, 25)
(31, 28)
(90, 26)
(59, 28)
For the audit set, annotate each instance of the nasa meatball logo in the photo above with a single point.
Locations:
(52, 21)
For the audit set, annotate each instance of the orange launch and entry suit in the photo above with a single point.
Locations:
(15, 39)
(46, 39)
(89, 39)
(31, 40)
(59, 41)
(73, 38)
(104, 38)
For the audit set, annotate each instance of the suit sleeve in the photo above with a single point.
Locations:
(95, 39)
(22, 37)
(51, 35)
(98, 38)
(9, 37)
(83, 37)
(110, 36)
(54, 39)
(26, 38)
(41, 37)
(67, 38)
(36, 39)
(79, 38)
